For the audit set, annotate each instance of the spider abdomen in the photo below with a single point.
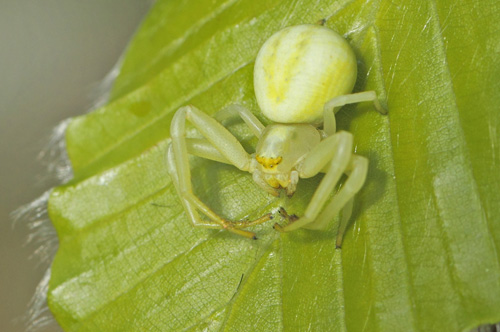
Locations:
(299, 69)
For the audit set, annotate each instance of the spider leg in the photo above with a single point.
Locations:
(343, 200)
(225, 148)
(251, 121)
(202, 148)
(189, 207)
(333, 105)
(335, 150)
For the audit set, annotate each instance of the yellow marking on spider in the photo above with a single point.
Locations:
(268, 162)
(273, 182)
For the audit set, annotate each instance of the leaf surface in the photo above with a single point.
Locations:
(422, 251)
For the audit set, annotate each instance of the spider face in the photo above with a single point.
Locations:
(281, 146)
(269, 163)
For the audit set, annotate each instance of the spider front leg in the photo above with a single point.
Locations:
(343, 201)
(250, 120)
(332, 155)
(333, 105)
(227, 149)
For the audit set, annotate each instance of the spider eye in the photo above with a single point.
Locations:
(268, 162)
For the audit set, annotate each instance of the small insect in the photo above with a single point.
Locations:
(302, 76)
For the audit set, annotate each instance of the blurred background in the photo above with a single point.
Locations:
(53, 55)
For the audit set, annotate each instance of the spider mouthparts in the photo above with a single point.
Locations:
(278, 227)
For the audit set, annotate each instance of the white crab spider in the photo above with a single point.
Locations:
(302, 75)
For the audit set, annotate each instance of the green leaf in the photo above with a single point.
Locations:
(422, 251)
